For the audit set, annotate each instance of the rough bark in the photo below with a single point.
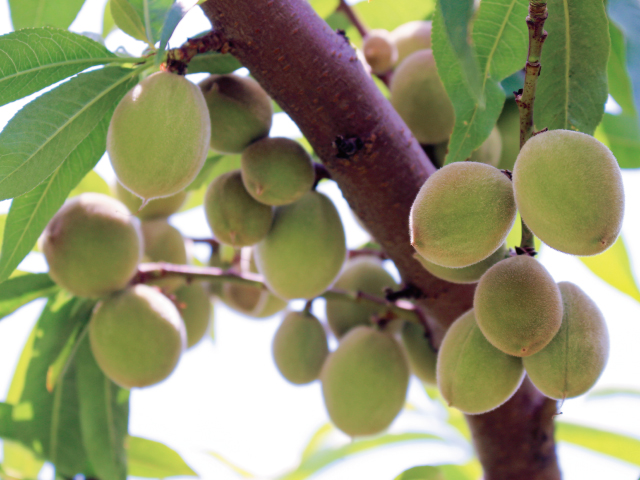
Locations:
(315, 76)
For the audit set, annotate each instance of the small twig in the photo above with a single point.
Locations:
(211, 241)
(367, 252)
(345, 8)
(321, 173)
(408, 291)
(178, 58)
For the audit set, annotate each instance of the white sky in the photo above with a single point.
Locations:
(228, 397)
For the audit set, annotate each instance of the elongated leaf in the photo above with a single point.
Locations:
(176, 13)
(31, 212)
(104, 416)
(149, 459)
(108, 23)
(43, 134)
(33, 59)
(20, 290)
(613, 267)
(572, 88)
(153, 14)
(613, 444)
(620, 87)
(41, 13)
(217, 63)
(92, 182)
(500, 39)
(610, 392)
(621, 133)
(127, 19)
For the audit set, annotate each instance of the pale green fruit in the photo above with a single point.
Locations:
(518, 306)
(473, 375)
(304, 251)
(425, 472)
(277, 171)
(195, 309)
(462, 214)
(470, 274)
(569, 191)
(509, 126)
(239, 109)
(379, 51)
(418, 95)
(490, 150)
(158, 137)
(573, 361)
(420, 353)
(92, 245)
(364, 382)
(158, 208)
(164, 243)
(234, 216)
(300, 347)
(137, 336)
(411, 37)
(364, 274)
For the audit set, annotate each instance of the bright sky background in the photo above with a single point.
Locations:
(227, 396)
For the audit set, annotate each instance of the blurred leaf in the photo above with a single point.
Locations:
(611, 392)
(215, 63)
(622, 135)
(176, 13)
(92, 182)
(30, 213)
(108, 24)
(318, 440)
(389, 14)
(149, 459)
(222, 165)
(33, 59)
(572, 88)
(324, 8)
(240, 471)
(469, 471)
(19, 462)
(43, 13)
(613, 267)
(203, 177)
(153, 14)
(425, 472)
(620, 87)
(127, 19)
(104, 417)
(615, 445)
(18, 291)
(513, 83)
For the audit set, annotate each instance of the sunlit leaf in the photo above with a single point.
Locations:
(92, 182)
(43, 13)
(149, 459)
(126, 18)
(239, 470)
(20, 290)
(108, 24)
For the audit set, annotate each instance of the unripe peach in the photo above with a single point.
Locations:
(379, 51)
(490, 150)
(420, 352)
(195, 309)
(159, 208)
(411, 37)
(164, 243)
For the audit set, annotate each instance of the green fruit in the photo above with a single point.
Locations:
(158, 137)
(195, 309)
(305, 249)
(277, 171)
(164, 243)
(569, 191)
(379, 51)
(137, 336)
(509, 126)
(364, 274)
(158, 208)
(418, 95)
(234, 216)
(425, 472)
(473, 375)
(518, 306)
(300, 347)
(489, 152)
(573, 361)
(420, 352)
(470, 274)
(239, 109)
(364, 382)
(462, 214)
(92, 245)
(411, 37)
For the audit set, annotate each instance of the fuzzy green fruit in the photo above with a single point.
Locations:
(411, 37)
(234, 216)
(379, 51)
(137, 336)
(470, 274)
(195, 309)
(158, 208)
(420, 352)
(569, 191)
(364, 274)
(418, 95)
(518, 306)
(509, 126)
(92, 245)
(462, 214)
(277, 171)
(164, 243)
(573, 361)
(300, 347)
(490, 150)
(304, 251)
(473, 375)
(158, 137)
(240, 111)
(364, 382)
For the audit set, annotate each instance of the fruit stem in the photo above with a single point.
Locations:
(345, 8)
(178, 58)
(321, 173)
(526, 96)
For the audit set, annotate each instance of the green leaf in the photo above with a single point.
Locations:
(613, 267)
(621, 133)
(212, 62)
(620, 87)
(149, 459)
(572, 88)
(153, 14)
(176, 13)
(323, 8)
(500, 38)
(615, 445)
(389, 14)
(19, 462)
(239, 470)
(20, 290)
(127, 19)
(204, 176)
(104, 416)
(43, 13)
(92, 182)
(108, 23)
(30, 213)
(217, 167)
(33, 59)
(425, 472)
(610, 392)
